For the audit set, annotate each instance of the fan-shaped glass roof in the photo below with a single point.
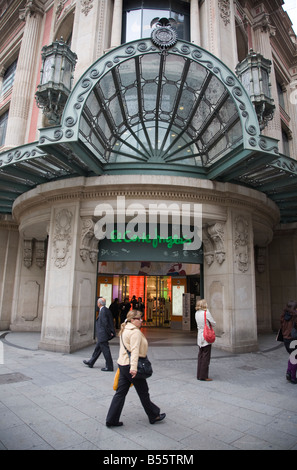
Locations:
(162, 108)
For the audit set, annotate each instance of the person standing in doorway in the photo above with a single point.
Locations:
(115, 310)
(124, 309)
(105, 332)
(204, 347)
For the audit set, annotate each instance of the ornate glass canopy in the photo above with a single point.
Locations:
(149, 108)
(160, 108)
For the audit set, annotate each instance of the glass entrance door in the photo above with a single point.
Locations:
(158, 291)
(155, 292)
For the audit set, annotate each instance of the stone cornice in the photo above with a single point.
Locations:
(177, 189)
(7, 223)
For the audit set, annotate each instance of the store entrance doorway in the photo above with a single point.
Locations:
(159, 297)
(154, 293)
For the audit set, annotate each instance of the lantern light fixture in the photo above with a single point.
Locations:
(58, 64)
(254, 72)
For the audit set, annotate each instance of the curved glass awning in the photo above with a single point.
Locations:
(160, 108)
(142, 109)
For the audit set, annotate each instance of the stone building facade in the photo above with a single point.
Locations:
(222, 158)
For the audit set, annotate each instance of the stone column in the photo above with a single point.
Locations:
(8, 257)
(230, 281)
(195, 22)
(116, 29)
(92, 24)
(24, 83)
(70, 286)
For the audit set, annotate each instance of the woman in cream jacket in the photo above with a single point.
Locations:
(136, 343)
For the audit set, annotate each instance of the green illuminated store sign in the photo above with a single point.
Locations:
(169, 241)
(124, 246)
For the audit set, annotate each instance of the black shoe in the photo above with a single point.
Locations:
(293, 381)
(105, 369)
(109, 425)
(88, 364)
(158, 418)
(288, 376)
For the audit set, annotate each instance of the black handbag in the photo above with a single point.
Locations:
(144, 366)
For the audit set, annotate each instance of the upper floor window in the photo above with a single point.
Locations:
(286, 144)
(3, 126)
(281, 95)
(8, 78)
(138, 14)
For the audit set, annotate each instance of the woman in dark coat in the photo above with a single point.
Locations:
(288, 320)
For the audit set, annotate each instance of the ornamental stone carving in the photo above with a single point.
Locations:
(86, 6)
(40, 253)
(213, 241)
(62, 237)
(32, 8)
(31, 246)
(28, 253)
(216, 233)
(264, 24)
(89, 243)
(241, 240)
(224, 6)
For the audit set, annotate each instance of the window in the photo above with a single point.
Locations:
(8, 78)
(280, 93)
(3, 126)
(286, 144)
(138, 14)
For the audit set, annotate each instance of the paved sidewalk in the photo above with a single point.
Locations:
(53, 401)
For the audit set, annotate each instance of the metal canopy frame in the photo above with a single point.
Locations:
(144, 109)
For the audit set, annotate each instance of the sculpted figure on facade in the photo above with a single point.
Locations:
(213, 241)
(208, 247)
(62, 237)
(216, 233)
(88, 246)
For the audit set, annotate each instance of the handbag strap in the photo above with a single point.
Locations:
(210, 326)
(128, 352)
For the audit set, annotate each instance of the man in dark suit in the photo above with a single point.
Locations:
(105, 332)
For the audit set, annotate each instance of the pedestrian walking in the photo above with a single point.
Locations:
(136, 343)
(288, 321)
(115, 310)
(204, 347)
(105, 332)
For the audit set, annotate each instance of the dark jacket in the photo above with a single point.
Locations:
(104, 325)
(288, 320)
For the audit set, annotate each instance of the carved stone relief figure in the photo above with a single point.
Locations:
(241, 238)
(62, 237)
(216, 233)
(208, 247)
(213, 241)
(89, 243)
